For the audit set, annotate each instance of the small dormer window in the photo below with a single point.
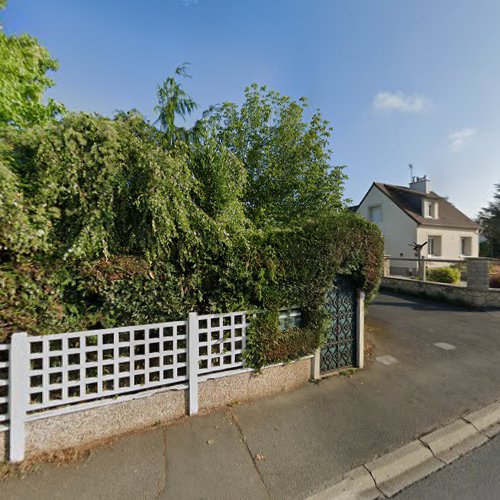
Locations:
(430, 209)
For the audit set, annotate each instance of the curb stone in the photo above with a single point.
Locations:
(356, 484)
(398, 469)
(486, 420)
(453, 441)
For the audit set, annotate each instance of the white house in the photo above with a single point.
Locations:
(417, 214)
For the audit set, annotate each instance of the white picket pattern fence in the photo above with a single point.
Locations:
(46, 375)
(75, 367)
(52, 374)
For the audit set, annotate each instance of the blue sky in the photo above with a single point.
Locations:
(401, 81)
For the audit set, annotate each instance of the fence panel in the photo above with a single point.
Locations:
(222, 338)
(75, 367)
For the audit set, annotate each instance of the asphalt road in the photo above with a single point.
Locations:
(476, 475)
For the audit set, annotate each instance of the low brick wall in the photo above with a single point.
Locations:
(443, 292)
(84, 427)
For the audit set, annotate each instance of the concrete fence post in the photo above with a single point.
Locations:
(387, 265)
(478, 273)
(18, 395)
(360, 330)
(193, 362)
(422, 269)
(316, 365)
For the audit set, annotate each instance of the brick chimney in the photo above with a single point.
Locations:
(421, 184)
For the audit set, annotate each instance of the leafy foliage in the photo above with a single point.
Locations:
(23, 80)
(495, 280)
(286, 158)
(112, 221)
(444, 275)
(267, 344)
(173, 101)
(40, 299)
(489, 218)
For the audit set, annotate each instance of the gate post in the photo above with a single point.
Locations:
(478, 270)
(360, 329)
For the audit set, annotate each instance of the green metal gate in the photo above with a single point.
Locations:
(340, 349)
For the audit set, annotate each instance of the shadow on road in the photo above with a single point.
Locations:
(420, 304)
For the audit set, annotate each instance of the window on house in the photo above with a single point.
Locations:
(466, 245)
(375, 213)
(430, 210)
(434, 245)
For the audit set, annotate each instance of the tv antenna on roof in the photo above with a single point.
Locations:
(410, 166)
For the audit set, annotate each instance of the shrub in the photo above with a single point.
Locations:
(444, 275)
(105, 226)
(462, 268)
(300, 266)
(495, 280)
(267, 344)
(42, 299)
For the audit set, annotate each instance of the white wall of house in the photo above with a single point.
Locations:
(450, 242)
(398, 228)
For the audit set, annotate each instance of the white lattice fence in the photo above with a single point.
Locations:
(4, 384)
(42, 376)
(72, 371)
(222, 338)
(75, 367)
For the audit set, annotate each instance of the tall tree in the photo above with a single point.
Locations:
(173, 102)
(220, 175)
(489, 218)
(24, 64)
(287, 157)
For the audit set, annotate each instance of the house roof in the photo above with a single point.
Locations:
(410, 201)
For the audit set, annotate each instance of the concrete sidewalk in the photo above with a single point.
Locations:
(294, 444)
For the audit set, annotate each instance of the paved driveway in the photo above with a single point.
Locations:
(293, 444)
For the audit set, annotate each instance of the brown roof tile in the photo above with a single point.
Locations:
(410, 201)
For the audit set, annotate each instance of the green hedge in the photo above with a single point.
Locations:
(444, 275)
(495, 280)
(104, 226)
(276, 268)
(267, 344)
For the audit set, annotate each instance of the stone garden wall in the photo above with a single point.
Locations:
(483, 298)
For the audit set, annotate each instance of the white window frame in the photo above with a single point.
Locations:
(430, 210)
(467, 239)
(431, 247)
